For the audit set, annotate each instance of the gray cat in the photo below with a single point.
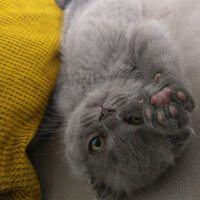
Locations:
(123, 103)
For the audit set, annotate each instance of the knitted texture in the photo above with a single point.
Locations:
(29, 43)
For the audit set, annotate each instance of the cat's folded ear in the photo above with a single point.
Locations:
(62, 3)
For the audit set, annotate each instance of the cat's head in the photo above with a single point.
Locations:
(108, 142)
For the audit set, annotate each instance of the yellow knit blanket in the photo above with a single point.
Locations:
(29, 43)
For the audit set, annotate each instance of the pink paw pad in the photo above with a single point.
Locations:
(157, 76)
(148, 114)
(162, 97)
(160, 118)
(173, 111)
(181, 95)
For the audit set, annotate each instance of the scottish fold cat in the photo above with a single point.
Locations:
(120, 96)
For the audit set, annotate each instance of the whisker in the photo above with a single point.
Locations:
(50, 144)
(51, 138)
(47, 132)
(47, 154)
(51, 118)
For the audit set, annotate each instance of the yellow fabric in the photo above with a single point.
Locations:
(29, 43)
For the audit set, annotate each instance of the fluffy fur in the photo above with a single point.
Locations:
(110, 54)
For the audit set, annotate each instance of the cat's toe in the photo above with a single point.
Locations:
(154, 117)
(148, 114)
(181, 95)
(160, 117)
(183, 98)
(167, 118)
(157, 76)
(173, 111)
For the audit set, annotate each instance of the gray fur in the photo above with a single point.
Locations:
(62, 3)
(110, 54)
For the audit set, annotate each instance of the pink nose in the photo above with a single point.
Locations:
(106, 112)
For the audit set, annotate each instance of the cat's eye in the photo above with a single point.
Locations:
(97, 144)
(134, 120)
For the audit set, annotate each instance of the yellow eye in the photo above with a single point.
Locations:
(135, 120)
(97, 144)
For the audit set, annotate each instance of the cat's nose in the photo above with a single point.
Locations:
(106, 112)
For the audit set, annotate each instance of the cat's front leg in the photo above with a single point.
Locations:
(167, 103)
(166, 100)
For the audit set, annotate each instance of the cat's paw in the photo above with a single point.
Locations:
(166, 104)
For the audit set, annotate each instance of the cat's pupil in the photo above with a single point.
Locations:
(137, 118)
(96, 142)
